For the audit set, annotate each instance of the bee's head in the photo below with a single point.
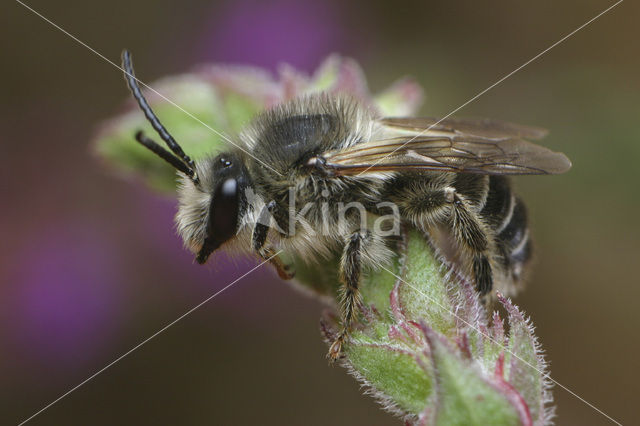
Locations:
(211, 192)
(210, 211)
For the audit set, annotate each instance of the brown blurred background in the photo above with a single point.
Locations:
(90, 265)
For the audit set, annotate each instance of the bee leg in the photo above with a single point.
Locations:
(350, 269)
(259, 238)
(469, 231)
(285, 271)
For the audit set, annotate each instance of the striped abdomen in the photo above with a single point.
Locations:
(507, 216)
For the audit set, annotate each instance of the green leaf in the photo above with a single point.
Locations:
(394, 373)
(526, 366)
(403, 98)
(423, 293)
(464, 396)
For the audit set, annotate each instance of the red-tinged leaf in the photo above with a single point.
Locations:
(464, 395)
(527, 369)
(403, 98)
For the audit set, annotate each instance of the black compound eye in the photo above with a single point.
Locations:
(225, 162)
(223, 213)
(223, 217)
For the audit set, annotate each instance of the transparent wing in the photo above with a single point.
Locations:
(474, 146)
(481, 127)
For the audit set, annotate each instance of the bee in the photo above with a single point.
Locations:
(327, 152)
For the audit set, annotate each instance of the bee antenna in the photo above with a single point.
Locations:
(164, 154)
(187, 162)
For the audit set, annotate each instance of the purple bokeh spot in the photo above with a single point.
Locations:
(184, 277)
(298, 32)
(158, 229)
(64, 296)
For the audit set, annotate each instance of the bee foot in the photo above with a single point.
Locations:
(286, 272)
(335, 351)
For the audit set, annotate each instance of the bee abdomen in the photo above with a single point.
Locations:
(506, 214)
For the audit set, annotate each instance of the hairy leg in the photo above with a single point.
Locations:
(259, 238)
(350, 271)
(444, 205)
(470, 233)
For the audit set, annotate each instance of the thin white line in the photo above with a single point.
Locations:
(547, 375)
(496, 83)
(146, 85)
(146, 340)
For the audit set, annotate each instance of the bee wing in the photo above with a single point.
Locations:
(477, 146)
(481, 127)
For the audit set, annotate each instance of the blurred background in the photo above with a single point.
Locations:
(90, 264)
